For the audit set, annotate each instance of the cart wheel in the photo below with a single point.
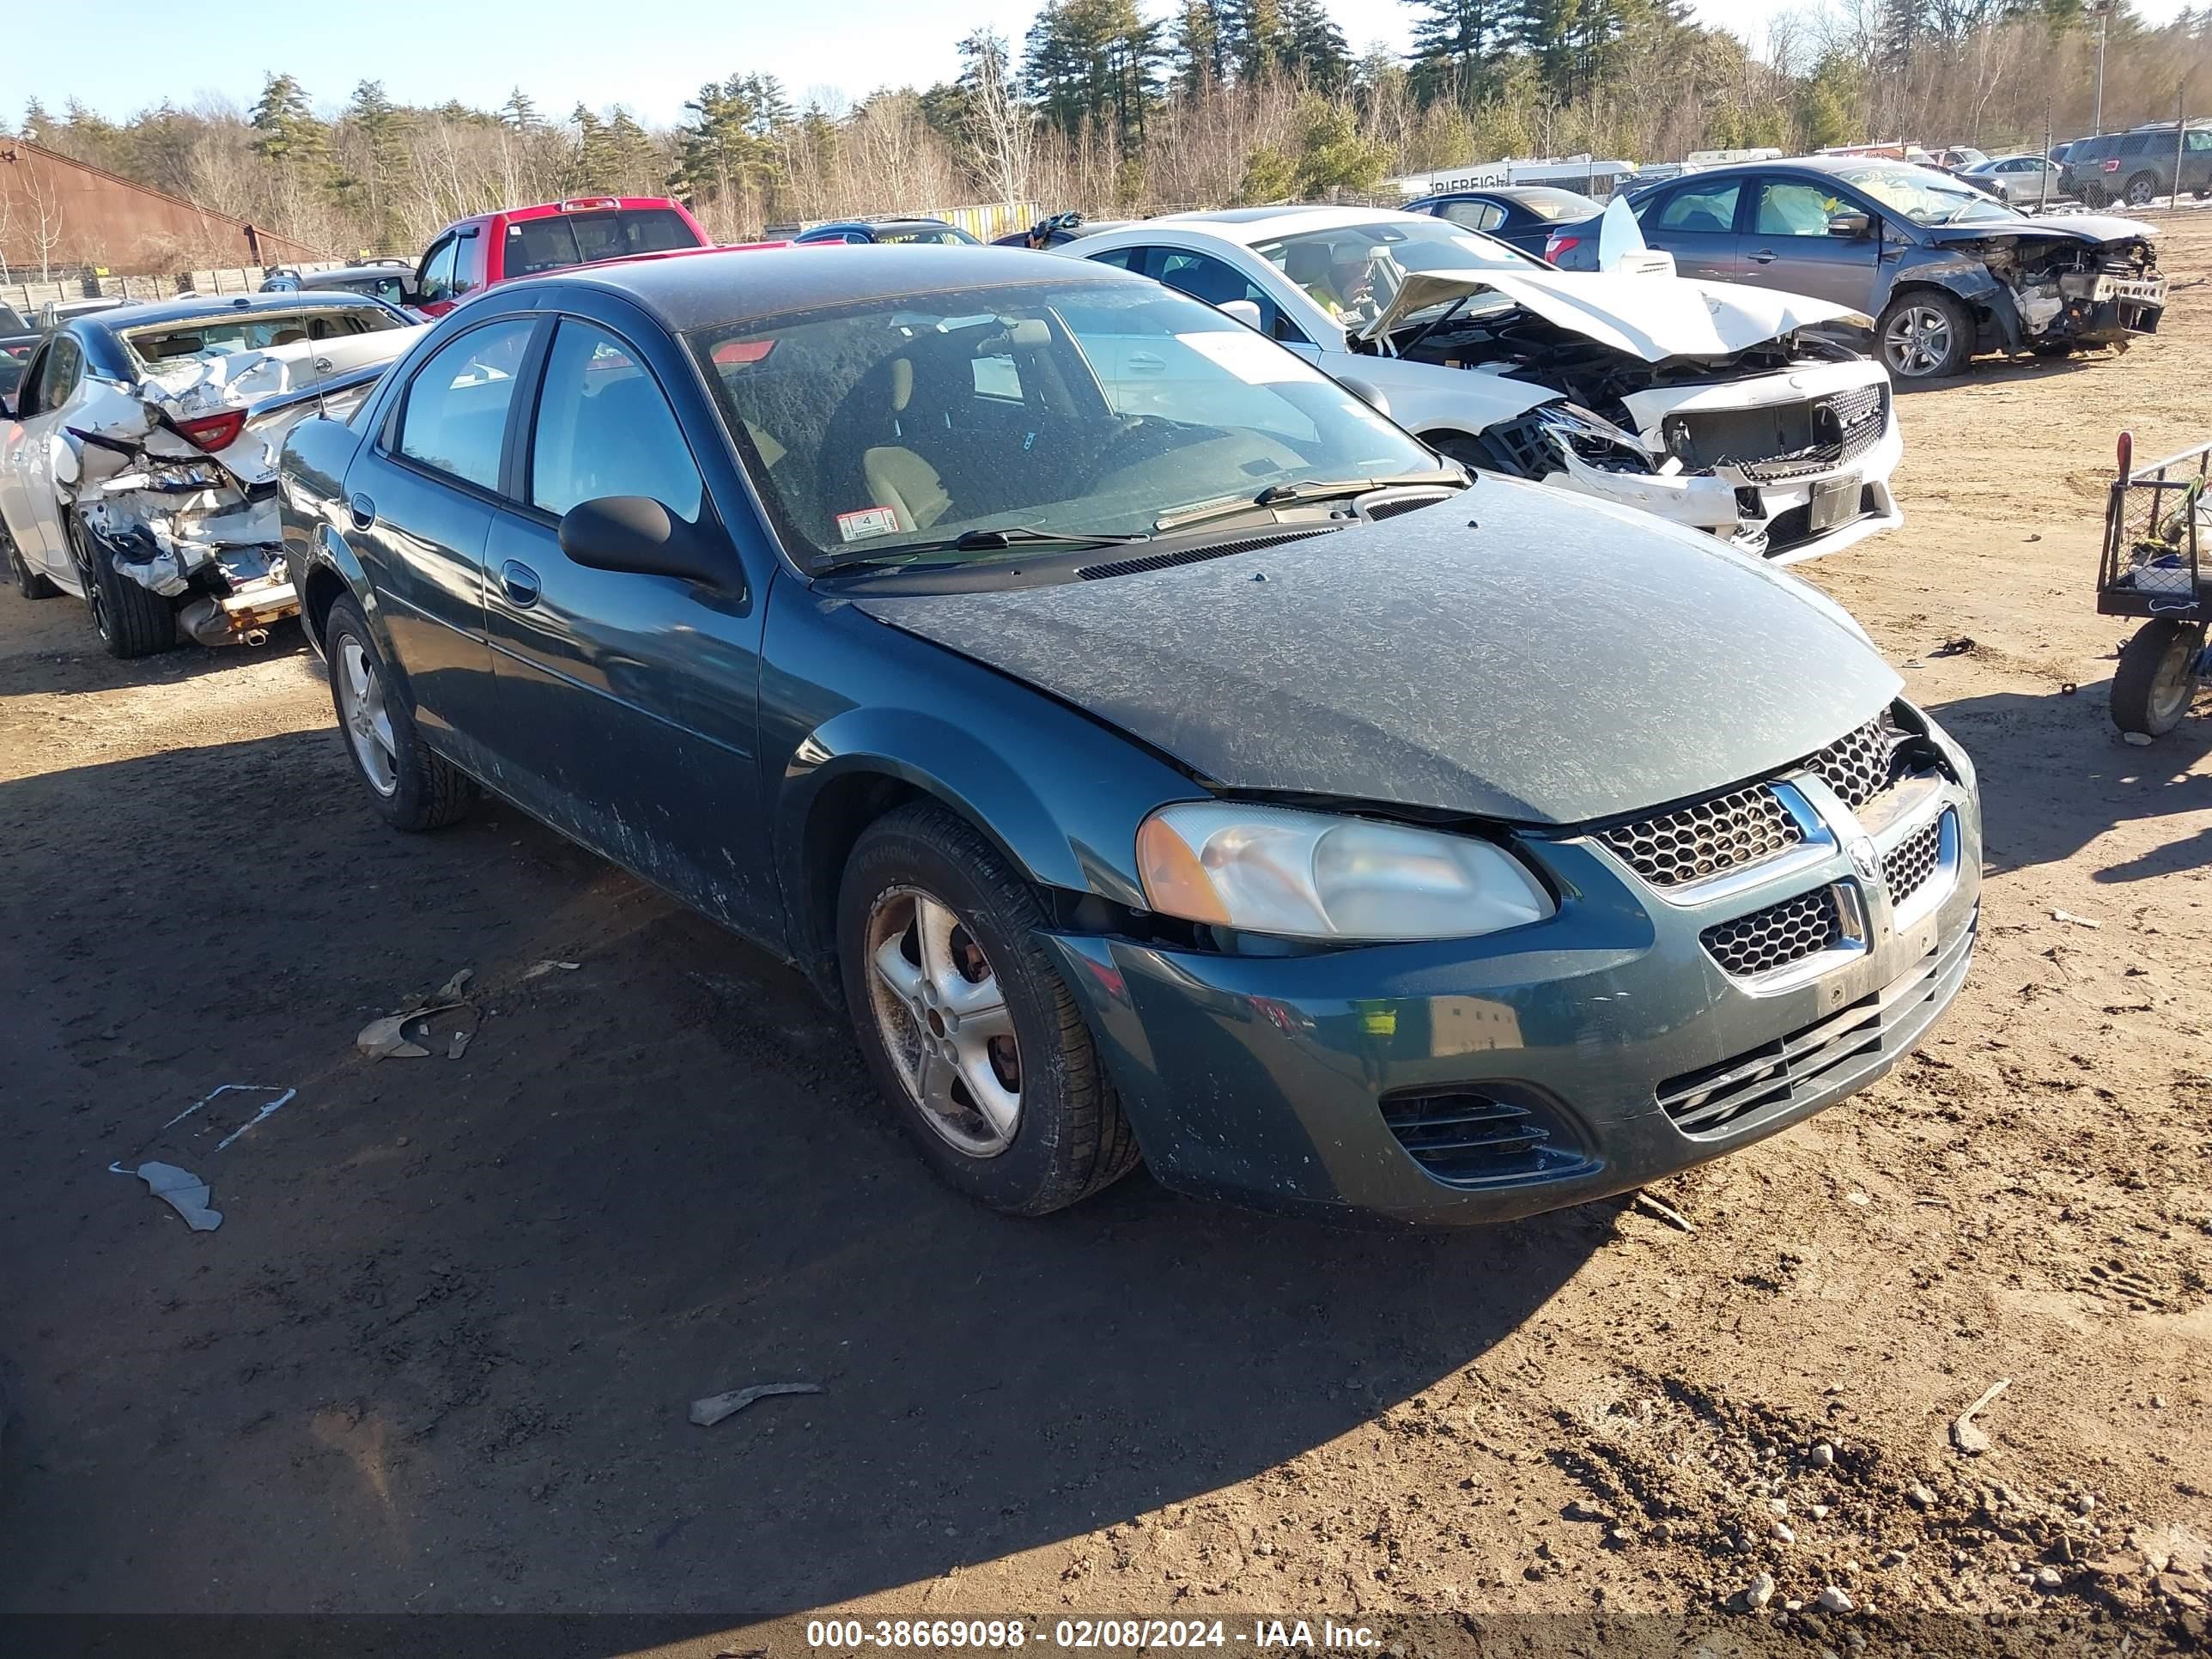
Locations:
(2157, 676)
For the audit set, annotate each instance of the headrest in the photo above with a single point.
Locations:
(902, 384)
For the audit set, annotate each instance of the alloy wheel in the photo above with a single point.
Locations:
(95, 596)
(1917, 341)
(367, 722)
(943, 1018)
(2141, 191)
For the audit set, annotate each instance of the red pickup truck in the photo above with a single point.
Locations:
(528, 241)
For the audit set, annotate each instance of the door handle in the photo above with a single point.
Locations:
(1764, 257)
(520, 583)
(362, 511)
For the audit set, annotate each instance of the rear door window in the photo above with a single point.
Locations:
(1703, 209)
(604, 428)
(1475, 216)
(455, 418)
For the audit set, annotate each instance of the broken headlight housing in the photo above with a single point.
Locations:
(1325, 876)
(1592, 439)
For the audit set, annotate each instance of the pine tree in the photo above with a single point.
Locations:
(383, 129)
(1457, 42)
(285, 130)
(520, 112)
(1201, 49)
(1314, 46)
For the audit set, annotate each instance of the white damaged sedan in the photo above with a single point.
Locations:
(1755, 416)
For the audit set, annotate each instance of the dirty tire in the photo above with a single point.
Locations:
(1924, 334)
(30, 583)
(2153, 685)
(2093, 195)
(2141, 188)
(131, 621)
(428, 792)
(1072, 1138)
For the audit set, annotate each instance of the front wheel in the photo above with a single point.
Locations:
(31, 584)
(413, 786)
(2157, 678)
(966, 1024)
(2093, 195)
(1925, 334)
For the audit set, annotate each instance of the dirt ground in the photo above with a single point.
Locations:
(438, 1354)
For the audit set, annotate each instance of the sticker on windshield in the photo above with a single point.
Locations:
(868, 521)
(1250, 358)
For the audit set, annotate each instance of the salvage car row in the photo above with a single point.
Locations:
(1156, 747)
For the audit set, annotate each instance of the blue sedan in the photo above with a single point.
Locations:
(1153, 749)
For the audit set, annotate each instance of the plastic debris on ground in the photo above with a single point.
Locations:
(715, 1407)
(183, 1192)
(408, 1034)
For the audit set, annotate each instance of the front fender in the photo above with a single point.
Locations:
(1964, 278)
(879, 716)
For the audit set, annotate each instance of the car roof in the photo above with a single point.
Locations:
(1250, 225)
(154, 313)
(718, 286)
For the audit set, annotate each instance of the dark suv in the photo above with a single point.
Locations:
(2134, 165)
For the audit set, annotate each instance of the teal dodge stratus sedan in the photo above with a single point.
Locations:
(1157, 752)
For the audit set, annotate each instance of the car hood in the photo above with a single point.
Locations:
(1648, 316)
(2096, 229)
(1564, 662)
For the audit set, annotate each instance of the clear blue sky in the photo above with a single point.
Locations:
(119, 55)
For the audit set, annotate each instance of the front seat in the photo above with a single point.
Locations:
(898, 477)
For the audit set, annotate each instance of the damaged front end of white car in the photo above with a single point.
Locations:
(174, 479)
(1751, 415)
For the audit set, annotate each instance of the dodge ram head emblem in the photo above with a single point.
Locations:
(1865, 859)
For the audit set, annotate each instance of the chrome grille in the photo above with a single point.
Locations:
(1795, 1070)
(1849, 422)
(1861, 764)
(1912, 860)
(1777, 936)
(1771, 442)
(1693, 842)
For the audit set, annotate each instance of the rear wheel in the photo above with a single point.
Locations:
(2141, 188)
(1925, 334)
(966, 1024)
(131, 621)
(2157, 678)
(413, 786)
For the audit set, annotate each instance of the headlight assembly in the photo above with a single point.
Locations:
(1316, 875)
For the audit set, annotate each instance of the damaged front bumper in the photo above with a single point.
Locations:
(1786, 466)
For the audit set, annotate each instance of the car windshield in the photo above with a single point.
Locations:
(1926, 198)
(561, 239)
(1351, 271)
(226, 334)
(1072, 408)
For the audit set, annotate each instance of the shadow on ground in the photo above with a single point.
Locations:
(438, 1354)
(2055, 775)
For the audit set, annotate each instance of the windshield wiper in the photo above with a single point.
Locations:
(1309, 489)
(969, 541)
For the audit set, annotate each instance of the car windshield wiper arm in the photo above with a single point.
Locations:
(972, 541)
(1307, 489)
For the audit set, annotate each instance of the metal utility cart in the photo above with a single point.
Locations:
(2155, 528)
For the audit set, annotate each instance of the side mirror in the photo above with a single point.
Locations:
(6, 406)
(1367, 392)
(1246, 311)
(637, 534)
(1849, 226)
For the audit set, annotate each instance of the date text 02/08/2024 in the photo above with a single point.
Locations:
(856, 1635)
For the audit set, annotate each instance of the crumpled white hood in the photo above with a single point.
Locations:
(1650, 317)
